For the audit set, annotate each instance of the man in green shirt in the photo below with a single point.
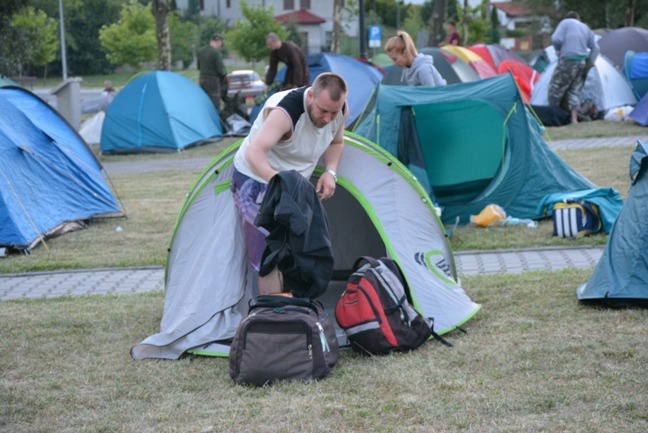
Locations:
(213, 75)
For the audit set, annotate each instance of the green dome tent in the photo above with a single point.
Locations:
(378, 209)
(471, 145)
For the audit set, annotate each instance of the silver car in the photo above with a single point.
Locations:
(247, 82)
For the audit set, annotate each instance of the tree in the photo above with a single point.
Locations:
(131, 40)
(13, 44)
(160, 9)
(595, 13)
(184, 38)
(41, 33)
(293, 35)
(248, 35)
(413, 24)
(436, 23)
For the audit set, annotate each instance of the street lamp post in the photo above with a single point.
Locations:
(62, 25)
(362, 31)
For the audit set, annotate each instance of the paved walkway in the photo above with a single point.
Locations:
(150, 279)
(138, 280)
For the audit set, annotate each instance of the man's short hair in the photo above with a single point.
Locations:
(334, 83)
(272, 37)
(573, 14)
(216, 37)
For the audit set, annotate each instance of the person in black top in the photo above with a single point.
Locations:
(291, 55)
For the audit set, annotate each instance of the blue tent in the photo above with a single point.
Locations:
(49, 177)
(620, 278)
(159, 112)
(640, 111)
(471, 145)
(361, 78)
(636, 71)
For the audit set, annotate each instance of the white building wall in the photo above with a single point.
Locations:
(317, 33)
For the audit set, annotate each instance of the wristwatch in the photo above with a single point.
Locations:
(332, 173)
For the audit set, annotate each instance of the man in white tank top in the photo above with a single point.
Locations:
(294, 129)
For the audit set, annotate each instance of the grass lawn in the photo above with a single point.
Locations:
(533, 360)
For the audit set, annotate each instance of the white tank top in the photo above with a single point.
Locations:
(303, 148)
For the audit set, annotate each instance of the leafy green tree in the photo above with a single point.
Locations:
(595, 13)
(413, 23)
(131, 40)
(42, 36)
(387, 11)
(184, 38)
(293, 34)
(14, 43)
(452, 11)
(193, 9)
(247, 37)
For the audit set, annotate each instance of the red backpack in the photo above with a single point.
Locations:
(375, 313)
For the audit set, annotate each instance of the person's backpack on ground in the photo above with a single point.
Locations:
(283, 338)
(575, 219)
(375, 313)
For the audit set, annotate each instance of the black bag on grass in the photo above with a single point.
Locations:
(283, 338)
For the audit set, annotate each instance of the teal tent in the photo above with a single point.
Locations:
(159, 112)
(471, 145)
(620, 278)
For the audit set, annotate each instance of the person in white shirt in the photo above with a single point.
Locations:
(294, 129)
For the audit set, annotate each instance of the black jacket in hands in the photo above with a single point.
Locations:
(298, 243)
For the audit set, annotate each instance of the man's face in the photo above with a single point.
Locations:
(322, 109)
(273, 45)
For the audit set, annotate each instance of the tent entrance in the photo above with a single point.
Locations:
(351, 230)
(463, 146)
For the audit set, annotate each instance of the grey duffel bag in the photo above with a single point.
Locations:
(283, 338)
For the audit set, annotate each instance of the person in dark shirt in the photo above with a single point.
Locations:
(213, 75)
(291, 55)
(453, 35)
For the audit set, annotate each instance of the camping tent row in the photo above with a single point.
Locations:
(159, 111)
(463, 65)
(379, 209)
(51, 180)
(500, 159)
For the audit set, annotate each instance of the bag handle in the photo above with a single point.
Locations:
(269, 301)
(359, 261)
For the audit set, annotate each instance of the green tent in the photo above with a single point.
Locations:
(620, 278)
(6, 81)
(470, 145)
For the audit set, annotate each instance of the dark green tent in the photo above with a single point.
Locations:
(471, 145)
(620, 278)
